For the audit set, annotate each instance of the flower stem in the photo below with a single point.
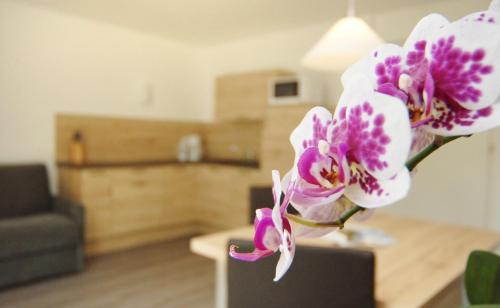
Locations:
(436, 144)
(318, 224)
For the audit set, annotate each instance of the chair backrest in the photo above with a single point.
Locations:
(24, 190)
(262, 196)
(319, 277)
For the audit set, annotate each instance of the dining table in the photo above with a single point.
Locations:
(422, 267)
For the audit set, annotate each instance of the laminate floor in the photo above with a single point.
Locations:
(161, 275)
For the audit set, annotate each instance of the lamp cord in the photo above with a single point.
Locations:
(351, 8)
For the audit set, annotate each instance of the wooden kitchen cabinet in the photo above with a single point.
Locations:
(132, 206)
(244, 96)
(277, 151)
(127, 206)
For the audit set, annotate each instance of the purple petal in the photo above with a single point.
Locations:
(305, 164)
(276, 186)
(390, 89)
(429, 88)
(342, 162)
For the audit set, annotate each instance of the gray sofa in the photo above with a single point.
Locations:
(40, 235)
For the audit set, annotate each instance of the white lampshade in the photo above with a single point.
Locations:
(346, 42)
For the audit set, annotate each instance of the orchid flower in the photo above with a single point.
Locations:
(273, 232)
(359, 152)
(446, 73)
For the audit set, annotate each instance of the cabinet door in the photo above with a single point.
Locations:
(243, 96)
(96, 198)
(138, 195)
(152, 197)
(223, 197)
(125, 200)
(179, 192)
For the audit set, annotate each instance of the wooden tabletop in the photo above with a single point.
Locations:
(427, 260)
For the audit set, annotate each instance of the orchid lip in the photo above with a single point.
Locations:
(253, 256)
(260, 232)
(420, 122)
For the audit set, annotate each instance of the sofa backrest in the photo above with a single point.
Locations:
(24, 190)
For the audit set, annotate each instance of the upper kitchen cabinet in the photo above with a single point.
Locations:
(244, 96)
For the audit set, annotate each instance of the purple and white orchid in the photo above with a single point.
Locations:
(444, 81)
(446, 73)
(359, 152)
(273, 232)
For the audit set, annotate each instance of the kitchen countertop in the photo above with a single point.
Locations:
(224, 162)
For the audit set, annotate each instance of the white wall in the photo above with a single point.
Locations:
(51, 62)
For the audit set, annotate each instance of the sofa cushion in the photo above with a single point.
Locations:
(24, 190)
(31, 234)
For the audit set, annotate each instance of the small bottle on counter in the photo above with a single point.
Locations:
(77, 150)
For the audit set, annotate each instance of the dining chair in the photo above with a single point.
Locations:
(319, 277)
(262, 196)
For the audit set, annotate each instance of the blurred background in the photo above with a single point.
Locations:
(159, 117)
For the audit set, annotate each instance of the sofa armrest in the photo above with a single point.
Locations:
(72, 210)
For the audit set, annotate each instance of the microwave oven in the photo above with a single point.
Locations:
(295, 90)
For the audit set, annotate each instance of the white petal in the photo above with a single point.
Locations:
(494, 6)
(379, 129)
(463, 121)
(465, 62)
(276, 187)
(286, 180)
(277, 219)
(390, 191)
(305, 134)
(368, 65)
(321, 213)
(489, 17)
(492, 15)
(424, 30)
(421, 139)
(286, 257)
(304, 200)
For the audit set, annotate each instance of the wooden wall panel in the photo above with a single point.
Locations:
(233, 140)
(112, 140)
(244, 96)
(277, 152)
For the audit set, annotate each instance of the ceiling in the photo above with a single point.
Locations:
(207, 22)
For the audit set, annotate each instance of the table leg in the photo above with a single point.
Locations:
(220, 284)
